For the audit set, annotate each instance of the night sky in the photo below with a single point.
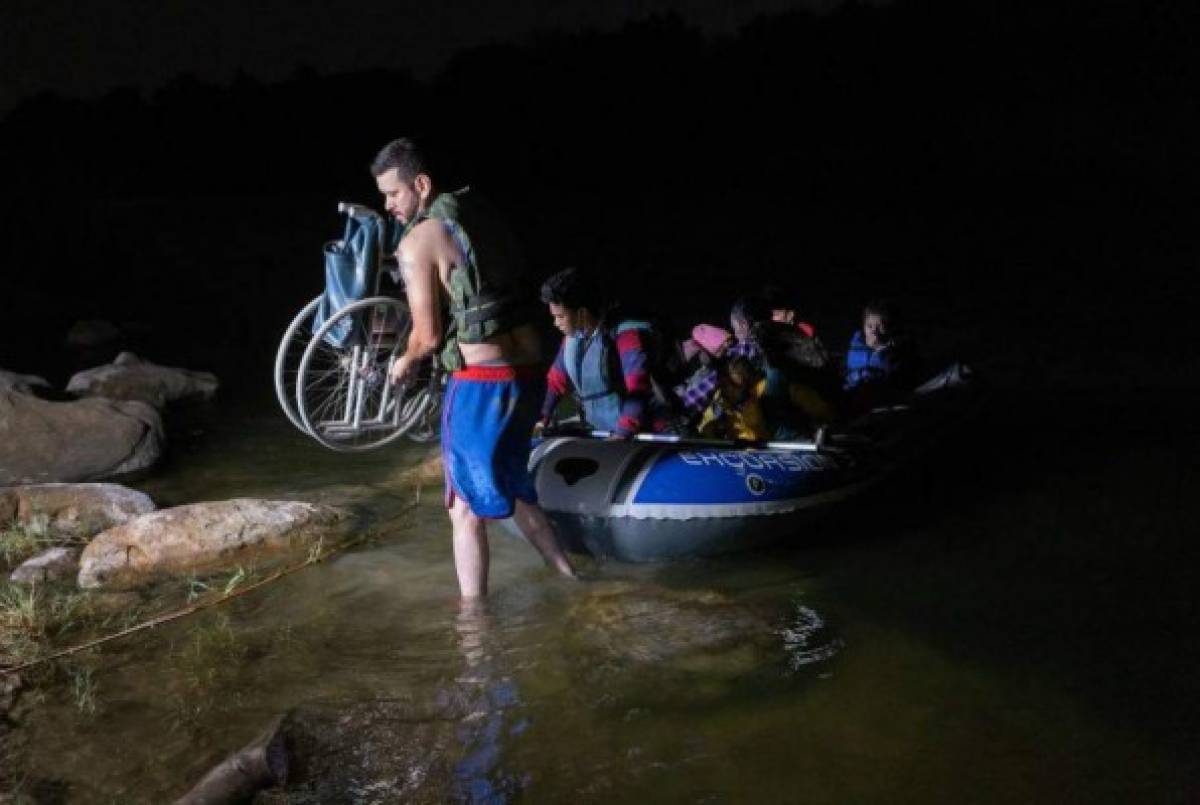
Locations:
(88, 48)
(981, 162)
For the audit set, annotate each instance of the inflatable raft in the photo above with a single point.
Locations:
(656, 498)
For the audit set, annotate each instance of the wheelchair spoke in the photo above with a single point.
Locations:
(342, 393)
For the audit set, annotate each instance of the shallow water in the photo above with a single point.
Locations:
(1013, 629)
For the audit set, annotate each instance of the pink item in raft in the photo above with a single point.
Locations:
(711, 339)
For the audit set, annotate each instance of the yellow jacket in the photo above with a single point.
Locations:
(744, 420)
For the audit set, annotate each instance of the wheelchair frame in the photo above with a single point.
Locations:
(341, 394)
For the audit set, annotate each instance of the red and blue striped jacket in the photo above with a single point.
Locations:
(640, 410)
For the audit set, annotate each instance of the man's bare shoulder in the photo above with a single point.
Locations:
(428, 240)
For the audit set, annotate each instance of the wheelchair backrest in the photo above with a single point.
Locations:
(353, 267)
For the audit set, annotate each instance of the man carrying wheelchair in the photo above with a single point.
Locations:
(456, 257)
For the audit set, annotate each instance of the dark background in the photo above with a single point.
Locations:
(1022, 180)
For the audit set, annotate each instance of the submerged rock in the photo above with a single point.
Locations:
(204, 537)
(381, 751)
(25, 384)
(412, 746)
(260, 764)
(75, 511)
(634, 637)
(54, 564)
(130, 378)
(661, 626)
(41, 440)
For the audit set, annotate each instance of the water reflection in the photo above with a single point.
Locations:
(493, 700)
(807, 639)
(686, 682)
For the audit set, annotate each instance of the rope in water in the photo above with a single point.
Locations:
(188, 610)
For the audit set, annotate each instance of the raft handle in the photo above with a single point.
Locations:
(666, 438)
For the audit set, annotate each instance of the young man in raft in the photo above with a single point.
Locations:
(458, 260)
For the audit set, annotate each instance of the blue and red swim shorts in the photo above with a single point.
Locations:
(487, 420)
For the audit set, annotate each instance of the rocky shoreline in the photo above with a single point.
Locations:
(83, 556)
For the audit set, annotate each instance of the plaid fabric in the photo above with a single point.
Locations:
(698, 391)
(748, 349)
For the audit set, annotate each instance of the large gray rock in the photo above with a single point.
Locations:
(130, 378)
(205, 537)
(75, 511)
(43, 441)
(11, 381)
(55, 564)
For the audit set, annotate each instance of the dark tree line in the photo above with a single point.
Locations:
(912, 148)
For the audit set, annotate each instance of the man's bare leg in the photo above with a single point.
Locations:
(471, 555)
(533, 524)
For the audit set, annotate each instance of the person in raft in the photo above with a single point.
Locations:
(608, 360)
(457, 259)
(882, 362)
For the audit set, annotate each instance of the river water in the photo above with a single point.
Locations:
(1013, 624)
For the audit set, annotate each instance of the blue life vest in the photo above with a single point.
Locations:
(594, 367)
(866, 365)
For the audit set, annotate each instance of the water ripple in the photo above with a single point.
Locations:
(807, 639)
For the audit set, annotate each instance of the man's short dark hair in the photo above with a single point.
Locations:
(405, 156)
(572, 289)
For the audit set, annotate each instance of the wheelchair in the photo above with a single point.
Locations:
(333, 364)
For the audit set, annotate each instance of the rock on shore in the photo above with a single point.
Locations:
(55, 564)
(75, 511)
(25, 384)
(131, 378)
(43, 441)
(205, 537)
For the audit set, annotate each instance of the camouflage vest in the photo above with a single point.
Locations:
(486, 296)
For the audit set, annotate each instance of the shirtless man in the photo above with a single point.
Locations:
(457, 261)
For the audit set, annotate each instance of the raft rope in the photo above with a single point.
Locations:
(191, 609)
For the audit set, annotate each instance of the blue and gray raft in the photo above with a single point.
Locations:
(660, 497)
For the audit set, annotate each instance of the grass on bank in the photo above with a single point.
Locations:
(34, 617)
(31, 616)
(19, 541)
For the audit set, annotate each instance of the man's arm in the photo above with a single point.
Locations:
(419, 265)
(558, 384)
(635, 371)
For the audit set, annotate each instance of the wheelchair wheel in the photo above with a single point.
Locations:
(343, 396)
(287, 360)
(428, 425)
